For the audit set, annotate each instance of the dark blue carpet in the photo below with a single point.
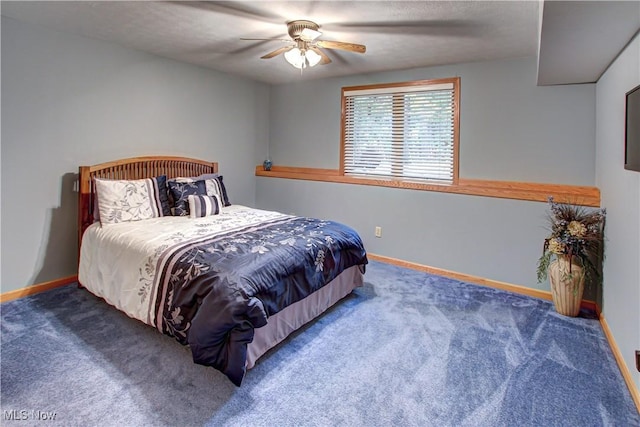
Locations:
(407, 349)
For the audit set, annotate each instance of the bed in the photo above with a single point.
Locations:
(165, 246)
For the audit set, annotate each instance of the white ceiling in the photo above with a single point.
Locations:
(398, 34)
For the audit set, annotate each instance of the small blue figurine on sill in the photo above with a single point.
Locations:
(266, 165)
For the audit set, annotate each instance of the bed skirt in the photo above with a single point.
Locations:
(297, 314)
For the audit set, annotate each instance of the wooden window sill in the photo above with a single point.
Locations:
(580, 195)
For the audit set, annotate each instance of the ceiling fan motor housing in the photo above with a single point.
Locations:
(295, 28)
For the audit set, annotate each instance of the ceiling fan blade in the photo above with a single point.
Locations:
(450, 27)
(250, 46)
(275, 40)
(351, 47)
(324, 58)
(246, 11)
(277, 52)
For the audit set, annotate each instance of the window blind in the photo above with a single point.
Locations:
(405, 132)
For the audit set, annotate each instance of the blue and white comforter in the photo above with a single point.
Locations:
(210, 281)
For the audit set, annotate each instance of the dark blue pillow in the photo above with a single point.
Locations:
(214, 185)
(222, 190)
(180, 191)
(163, 197)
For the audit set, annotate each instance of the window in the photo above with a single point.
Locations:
(405, 131)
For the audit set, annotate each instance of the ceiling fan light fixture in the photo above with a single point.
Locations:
(309, 34)
(295, 57)
(312, 58)
(302, 58)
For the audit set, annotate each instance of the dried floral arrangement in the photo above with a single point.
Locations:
(576, 231)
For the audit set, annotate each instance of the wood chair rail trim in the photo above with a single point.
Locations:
(529, 191)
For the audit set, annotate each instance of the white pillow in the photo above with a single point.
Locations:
(129, 200)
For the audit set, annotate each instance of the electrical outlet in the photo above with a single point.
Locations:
(378, 231)
(638, 360)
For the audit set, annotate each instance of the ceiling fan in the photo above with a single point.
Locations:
(304, 50)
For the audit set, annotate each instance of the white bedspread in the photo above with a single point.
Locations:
(118, 262)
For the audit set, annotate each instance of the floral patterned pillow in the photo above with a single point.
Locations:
(132, 200)
(180, 191)
(214, 185)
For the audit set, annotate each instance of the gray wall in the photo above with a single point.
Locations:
(69, 101)
(621, 196)
(510, 130)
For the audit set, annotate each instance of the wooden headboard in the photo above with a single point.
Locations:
(132, 168)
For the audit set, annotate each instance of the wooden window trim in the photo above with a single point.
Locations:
(456, 118)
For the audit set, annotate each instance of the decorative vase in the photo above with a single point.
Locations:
(266, 165)
(566, 276)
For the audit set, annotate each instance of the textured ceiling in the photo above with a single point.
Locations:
(398, 34)
(575, 40)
